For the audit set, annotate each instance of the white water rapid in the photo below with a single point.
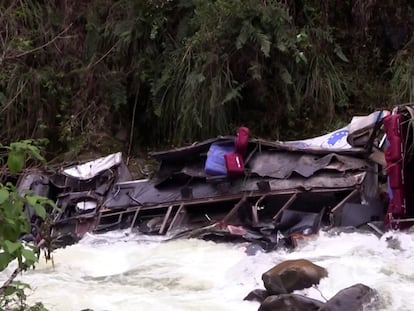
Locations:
(117, 271)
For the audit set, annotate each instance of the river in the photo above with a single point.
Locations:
(121, 271)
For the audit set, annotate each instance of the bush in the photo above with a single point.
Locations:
(15, 224)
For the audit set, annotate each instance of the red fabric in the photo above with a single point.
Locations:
(392, 128)
(236, 230)
(396, 210)
(394, 172)
(398, 202)
(392, 124)
(393, 151)
(234, 164)
(393, 156)
(242, 140)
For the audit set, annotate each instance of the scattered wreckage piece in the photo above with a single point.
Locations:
(78, 191)
(287, 190)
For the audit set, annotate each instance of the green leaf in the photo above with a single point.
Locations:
(34, 152)
(265, 43)
(21, 285)
(244, 35)
(4, 195)
(35, 202)
(11, 247)
(281, 46)
(10, 290)
(10, 221)
(233, 94)
(40, 210)
(285, 75)
(255, 70)
(300, 57)
(5, 259)
(340, 54)
(11, 232)
(15, 161)
(30, 256)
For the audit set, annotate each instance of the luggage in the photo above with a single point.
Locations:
(234, 164)
(228, 159)
(242, 141)
(215, 164)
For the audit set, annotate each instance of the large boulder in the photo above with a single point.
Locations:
(352, 298)
(290, 302)
(292, 275)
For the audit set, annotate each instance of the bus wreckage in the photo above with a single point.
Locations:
(240, 188)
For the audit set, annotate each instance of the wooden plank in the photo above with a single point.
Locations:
(234, 209)
(135, 217)
(178, 217)
(118, 212)
(255, 217)
(285, 206)
(164, 222)
(346, 199)
(340, 205)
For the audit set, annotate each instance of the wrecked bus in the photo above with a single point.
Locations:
(244, 188)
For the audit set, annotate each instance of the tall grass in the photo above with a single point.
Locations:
(402, 69)
(177, 71)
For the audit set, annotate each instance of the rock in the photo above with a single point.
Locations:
(28, 237)
(65, 239)
(393, 243)
(252, 249)
(410, 229)
(290, 302)
(257, 295)
(151, 226)
(352, 298)
(292, 275)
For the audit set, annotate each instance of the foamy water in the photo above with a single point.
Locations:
(117, 271)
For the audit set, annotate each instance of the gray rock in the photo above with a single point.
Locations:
(290, 302)
(352, 298)
(393, 243)
(257, 295)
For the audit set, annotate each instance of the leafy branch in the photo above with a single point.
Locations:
(13, 217)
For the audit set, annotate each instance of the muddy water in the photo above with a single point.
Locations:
(117, 271)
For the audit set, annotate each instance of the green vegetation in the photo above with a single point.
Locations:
(168, 72)
(14, 224)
